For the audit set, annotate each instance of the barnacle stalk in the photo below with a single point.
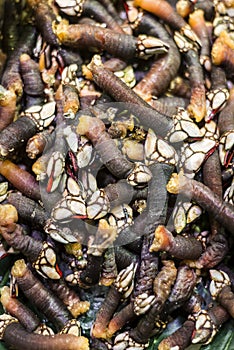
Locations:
(17, 309)
(16, 336)
(222, 211)
(178, 246)
(46, 301)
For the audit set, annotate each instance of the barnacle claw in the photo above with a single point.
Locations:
(217, 99)
(125, 279)
(189, 34)
(134, 15)
(143, 302)
(184, 128)
(182, 43)
(222, 23)
(226, 147)
(43, 329)
(121, 216)
(71, 7)
(158, 150)
(185, 213)
(60, 234)
(229, 194)
(72, 327)
(69, 76)
(149, 45)
(193, 155)
(69, 208)
(98, 205)
(46, 263)
(5, 320)
(205, 329)
(124, 341)
(220, 279)
(140, 175)
(55, 170)
(41, 115)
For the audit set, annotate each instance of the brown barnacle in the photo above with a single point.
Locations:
(7, 107)
(197, 105)
(15, 335)
(143, 297)
(40, 165)
(207, 323)
(111, 83)
(219, 93)
(20, 179)
(111, 196)
(156, 81)
(94, 129)
(37, 143)
(71, 101)
(115, 87)
(8, 214)
(212, 255)
(162, 9)
(17, 309)
(40, 254)
(33, 84)
(45, 301)
(198, 24)
(155, 214)
(121, 288)
(118, 44)
(165, 11)
(94, 10)
(180, 247)
(213, 179)
(186, 280)
(163, 283)
(150, 324)
(220, 289)
(180, 339)
(105, 313)
(33, 119)
(222, 52)
(226, 120)
(226, 299)
(120, 319)
(48, 74)
(97, 245)
(11, 78)
(44, 19)
(222, 211)
(69, 297)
